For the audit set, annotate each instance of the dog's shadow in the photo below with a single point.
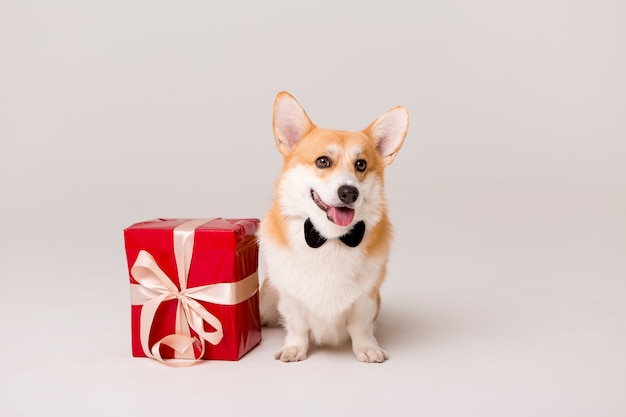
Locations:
(403, 327)
(397, 329)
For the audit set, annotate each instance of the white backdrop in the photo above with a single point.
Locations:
(506, 286)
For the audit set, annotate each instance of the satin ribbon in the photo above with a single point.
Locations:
(155, 287)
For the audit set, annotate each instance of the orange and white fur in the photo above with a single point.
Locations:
(334, 178)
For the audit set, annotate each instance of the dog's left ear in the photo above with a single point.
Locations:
(388, 132)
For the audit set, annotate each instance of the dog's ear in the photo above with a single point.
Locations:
(291, 122)
(388, 132)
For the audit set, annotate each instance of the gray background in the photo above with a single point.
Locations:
(506, 286)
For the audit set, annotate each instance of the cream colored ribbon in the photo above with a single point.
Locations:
(155, 287)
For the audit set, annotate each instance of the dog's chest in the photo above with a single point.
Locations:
(328, 279)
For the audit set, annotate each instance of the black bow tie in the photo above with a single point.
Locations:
(315, 240)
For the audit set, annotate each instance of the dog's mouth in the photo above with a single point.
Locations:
(341, 216)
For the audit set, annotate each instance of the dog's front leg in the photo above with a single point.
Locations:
(297, 339)
(361, 329)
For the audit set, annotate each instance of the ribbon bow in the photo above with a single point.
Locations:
(155, 287)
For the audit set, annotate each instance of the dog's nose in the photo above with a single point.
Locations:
(348, 194)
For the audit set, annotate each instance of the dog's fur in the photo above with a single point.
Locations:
(328, 293)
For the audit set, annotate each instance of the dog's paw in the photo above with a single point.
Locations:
(370, 354)
(291, 354)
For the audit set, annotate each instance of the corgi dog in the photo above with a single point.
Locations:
(326, 239)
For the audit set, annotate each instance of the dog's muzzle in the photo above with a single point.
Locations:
(341, 216)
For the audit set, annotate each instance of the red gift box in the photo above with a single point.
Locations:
(194, 288)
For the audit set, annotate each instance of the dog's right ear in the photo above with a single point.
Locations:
(291, 122)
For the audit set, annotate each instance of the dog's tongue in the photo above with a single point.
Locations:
(341, 215)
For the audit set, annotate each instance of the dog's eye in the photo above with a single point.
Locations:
(360, 165)
(323, 162)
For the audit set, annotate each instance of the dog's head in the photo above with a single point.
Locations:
(334, 177)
